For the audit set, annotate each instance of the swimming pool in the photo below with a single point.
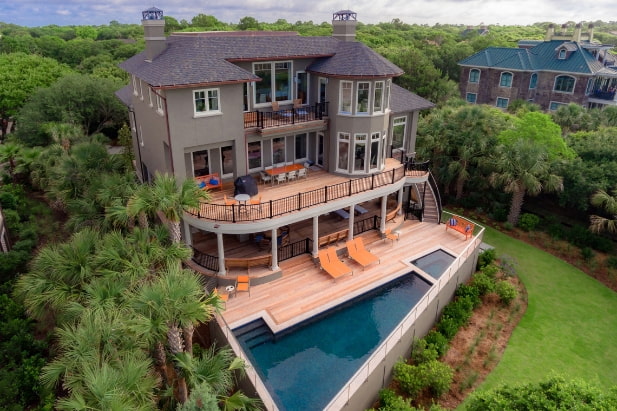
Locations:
(305, 367)
(434, 263)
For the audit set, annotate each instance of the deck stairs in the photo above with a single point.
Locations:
(430, 214)
(254, 333)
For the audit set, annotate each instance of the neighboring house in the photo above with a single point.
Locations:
(563, 68)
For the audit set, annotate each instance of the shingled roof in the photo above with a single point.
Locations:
(403, 100)
(541, 57)
(206, 58)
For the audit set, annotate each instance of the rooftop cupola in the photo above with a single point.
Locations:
(154, 32)
(344, 25)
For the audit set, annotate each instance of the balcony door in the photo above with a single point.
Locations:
(319, 150)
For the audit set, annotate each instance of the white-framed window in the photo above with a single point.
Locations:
(141, 90)
(378, 95)
(505, 80)
(300, 147)
(399, 125)
(474, 76)
(323, 85)
(362, 97)
(343, 140)
(150, 103)
(206, 101)
(359, 152)
(276, 82)
(471, 97)
(554, 105)
(386, 97)
(159, 104)
(254, 153)
(533, 81)
(345, 97)
(278, 150)
(502, 102)
(564, 84)
(302, 86)
(135, 89)
(562, 54)
(374, 151)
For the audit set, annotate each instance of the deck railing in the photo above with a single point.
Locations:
(302, 200)
(283, 117)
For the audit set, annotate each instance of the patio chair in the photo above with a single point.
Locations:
(292, 175)
(228, 201)
(330, 263)
(281, 178)
(223, 297)
(299, 108)
(391, 235)
(255, 204)
(357, 252)
(302, 173)
(243, 283)
(265, 177)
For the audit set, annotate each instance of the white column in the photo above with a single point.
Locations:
(221, 253)
(352, 214)
(315, 236)
(384, 203)
(400, 200)
(275, 248)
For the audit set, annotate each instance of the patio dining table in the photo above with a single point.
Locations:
(282, 170)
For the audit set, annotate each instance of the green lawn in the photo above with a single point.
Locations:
(570, 326)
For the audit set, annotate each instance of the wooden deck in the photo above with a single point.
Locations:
(305, 290)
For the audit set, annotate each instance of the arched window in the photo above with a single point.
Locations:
(533, 81)
(474, 76)
(505, 80)
(564, 84)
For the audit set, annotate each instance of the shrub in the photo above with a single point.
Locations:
(438, 341)
(390, 401)
(409, 378)
(508, 226)
(611, 261)
(469, 291)
(484, 283)
(490, 270)
(438, 377)
(448, 327)
(459, 309)
(528, 222)
(486, 257)
(508, 265)
(423, 352)
(506, 292)
(587, 254)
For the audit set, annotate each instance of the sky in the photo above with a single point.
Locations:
(32, 13)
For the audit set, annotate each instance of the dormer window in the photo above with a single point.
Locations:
(562, 54)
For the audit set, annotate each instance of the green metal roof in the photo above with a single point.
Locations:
(542, 57)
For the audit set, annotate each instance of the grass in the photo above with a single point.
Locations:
(568, 328)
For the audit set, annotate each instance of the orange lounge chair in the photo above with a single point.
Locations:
(331, 264)
(359, 254)
(243, 283)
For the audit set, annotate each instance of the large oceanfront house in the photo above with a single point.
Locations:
(305, 145)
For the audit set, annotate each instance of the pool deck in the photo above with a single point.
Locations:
(305, 290)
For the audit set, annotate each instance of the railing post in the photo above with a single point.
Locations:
(325, 194)
(350, 188)
(233, 214)
(392, 176)
(270, 208)
(299, 201)
(372, 181)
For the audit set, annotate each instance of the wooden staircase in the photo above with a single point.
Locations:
(430, 214)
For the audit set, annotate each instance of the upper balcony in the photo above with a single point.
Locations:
(604, 95)
(319, 188)
(285, 116)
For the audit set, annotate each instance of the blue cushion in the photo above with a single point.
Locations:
(452, 222)
(214, 182)
(202, 184)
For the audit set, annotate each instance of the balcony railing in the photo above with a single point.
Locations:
(604, 95)
(283, 117)
(297, 202)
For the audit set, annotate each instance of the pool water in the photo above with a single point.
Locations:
(304, 368)
(434, 263)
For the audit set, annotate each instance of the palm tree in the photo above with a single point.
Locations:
(172, 304)
(522, 168)
(9, 152)
(63, 133)
(173, 200)
(608, 203)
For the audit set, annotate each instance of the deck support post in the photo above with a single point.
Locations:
(400, 199)
(275, 248)
(221, 253)
(382, 222)
(352, 213)
(315, 236)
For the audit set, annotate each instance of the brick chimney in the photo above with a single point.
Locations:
(576, 37)
(550, 32)
(344, 25)
(154, 32)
